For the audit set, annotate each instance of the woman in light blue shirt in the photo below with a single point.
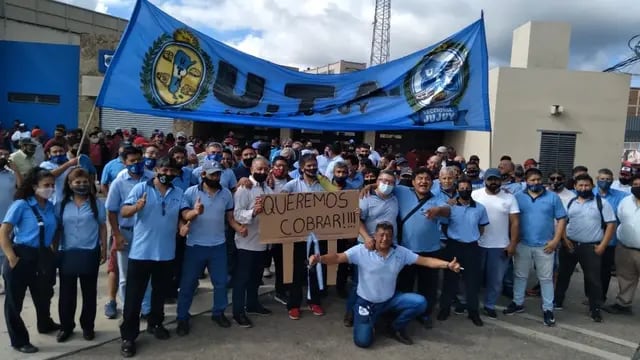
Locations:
(83, 246)
(29, 261)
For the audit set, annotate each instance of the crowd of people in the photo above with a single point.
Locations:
(178, 206)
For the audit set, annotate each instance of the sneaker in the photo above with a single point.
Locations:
(159, 331)
(549, 319)
(88, 334)
(513, 308)
(294, 314)
(48, 327)
(282, 298)
(267, 273)
(260, 311)
(596, 316)
(475, 318)
(111, 309)
(128, 348)
(558, 306)
(618, 309)
(459, 309)
(183, 328)
(243, 321)
(221, 320)
(316, 309)
(491, 313)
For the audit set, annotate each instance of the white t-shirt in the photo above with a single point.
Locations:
(565, 196)
(618, 186)
(499, 207)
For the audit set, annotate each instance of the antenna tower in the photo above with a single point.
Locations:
(381, 33)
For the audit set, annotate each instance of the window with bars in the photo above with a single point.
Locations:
(43, 99)
(557, 152)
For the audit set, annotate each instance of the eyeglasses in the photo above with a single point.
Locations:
(555, 178)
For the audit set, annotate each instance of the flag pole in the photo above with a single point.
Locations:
(86, 127)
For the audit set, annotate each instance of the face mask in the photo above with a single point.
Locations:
(341, 180)
(214, 157)
(370, 182)
(80, 189)
(136, 169)
(278, 173)
(311, 173)
(493, 187)
(585, 194)
(557, 186)
(3, 163)
(45, 193)
(625, 181)
(473, 174)
(29, 151)
(214, 184)
(181, 143)
(604, 185)
(165, 179)
(247, 162)
(406, 182)
(149, 163)
(260, 178)
(94, 140)
(635, 190)
(59, 159)
(465, 194)
(385, 189)
(536, 188)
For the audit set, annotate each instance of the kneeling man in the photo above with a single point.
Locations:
(377, 273)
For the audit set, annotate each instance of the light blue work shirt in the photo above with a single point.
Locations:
(81, 230)
(584, 221)
(377, 275)
(227, 178)
(514, 187)
(357, 182)
(119, 191)
(537, 225)
(25, 224)
(465, 220)
(299, 185)
(374, 210)
(208, 228)
(419, 234)
(60, 179)
(185, 180)
(613, 197)
(156, 224)
(7, 190)
(111, 170)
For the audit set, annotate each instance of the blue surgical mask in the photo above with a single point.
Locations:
(59, 159)
(136, 169)
(149, 163)
(536, 188)
(214, 157)
(385, 189)
(604, 185)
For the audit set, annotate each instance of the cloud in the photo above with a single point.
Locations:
(315, 32)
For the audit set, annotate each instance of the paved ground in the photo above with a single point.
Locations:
(276, 337)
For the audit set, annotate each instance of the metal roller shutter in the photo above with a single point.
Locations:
(557, 152)
(110, 119)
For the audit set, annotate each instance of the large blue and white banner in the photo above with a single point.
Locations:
(163, 67)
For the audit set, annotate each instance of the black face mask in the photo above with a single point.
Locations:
(3, 163)
(635, 190)
(370, 182)
(260, 178)
(493, 187)
(214, 184)
(80, 189)
(406, 182)
(557, 186)
(465, 194)
(247, 162)
(340, 180)
(473, 174)
(165, 179)
(181, 143)
(625, 181)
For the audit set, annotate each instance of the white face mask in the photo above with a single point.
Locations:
(385, 189)
(45, 193)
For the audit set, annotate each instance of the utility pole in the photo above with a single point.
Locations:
(381, 33)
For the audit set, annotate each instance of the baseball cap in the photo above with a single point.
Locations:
(37, 133)
(140, 141)
(211, 167)
(305, 152)
(406, 171)
(530, 162)
(26, 141)
(474, 158)
(180, 134)
(442, 149)
(401, 160)
(626, 169)
(493, 172)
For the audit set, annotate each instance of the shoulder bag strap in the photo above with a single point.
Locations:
(36, 212)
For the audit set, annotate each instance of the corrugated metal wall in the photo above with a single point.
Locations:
(110, 119)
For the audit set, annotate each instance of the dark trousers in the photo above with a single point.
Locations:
(469, 256)
(300, 258)
(229, 235)
(590, 263)
(607, 265)
(26, 275)
(138, 274)
(246, 280)
(177, 266)
(427, 279)
(276, 253)
(343, 269)
(69, 299)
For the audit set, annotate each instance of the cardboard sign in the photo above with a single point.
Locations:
(290, 217)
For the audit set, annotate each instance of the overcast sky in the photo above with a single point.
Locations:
(309, 33)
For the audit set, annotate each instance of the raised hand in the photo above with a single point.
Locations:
(258, 207)
(199, 207)
(141, 202)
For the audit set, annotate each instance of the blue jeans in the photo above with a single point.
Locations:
(494, 263)
(353, 293)
(407, 306)
(123, 264)
(525, 257)
(195, 259)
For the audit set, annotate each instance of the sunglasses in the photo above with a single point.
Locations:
(555, 178)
